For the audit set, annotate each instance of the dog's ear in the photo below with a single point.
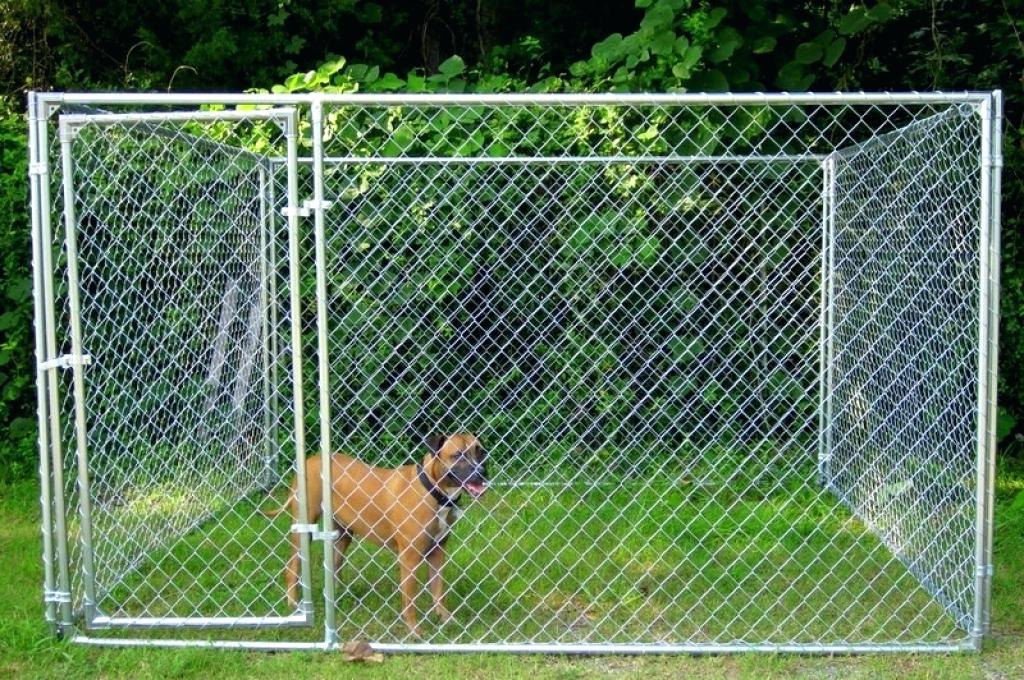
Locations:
(435, 442)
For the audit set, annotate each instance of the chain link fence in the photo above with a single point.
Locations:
(731, 359)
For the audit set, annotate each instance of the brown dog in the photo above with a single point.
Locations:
(409, 509)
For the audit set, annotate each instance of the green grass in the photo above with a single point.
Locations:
(631, 564)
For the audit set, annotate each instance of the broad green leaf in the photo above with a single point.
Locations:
(715, 17)
(834, 51)
(417, 83)
(663, 43)
(647, 135)
(692, 56)
(881, 12)
(647, 250)
(808, 53)
(763, 45)
(497, 149)
(608, 49)
(854, 22)
(710, 81)
(389, 81)
(657, 17)
(728, 39)
(792, 77)
(825, 37)
(452, 66)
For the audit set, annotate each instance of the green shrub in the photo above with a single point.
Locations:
(17, 405)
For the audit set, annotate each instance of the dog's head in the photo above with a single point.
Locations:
(459, 462)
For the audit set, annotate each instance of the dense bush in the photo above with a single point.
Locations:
(17, 374)
(667, 45)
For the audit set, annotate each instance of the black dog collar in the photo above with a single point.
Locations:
(442, 500)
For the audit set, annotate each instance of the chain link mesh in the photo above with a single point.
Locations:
(183, 321)
(626, 305)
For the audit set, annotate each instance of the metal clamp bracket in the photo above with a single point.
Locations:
(314, 532)
(332, 535)
(66, 361)
(56, 596)
(308, 206)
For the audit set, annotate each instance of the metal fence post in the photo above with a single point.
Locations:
(825, 321)
(295, 312)
(268, 324)
(64, 595)
(327, 517)
(67, 133)
(996, 164)
(986, 336)
(39, 173)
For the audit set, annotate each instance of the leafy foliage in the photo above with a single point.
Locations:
(17, 394)
(408, 46)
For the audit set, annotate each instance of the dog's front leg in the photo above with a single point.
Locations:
(435, 562)
(341, 544)
(409, 559)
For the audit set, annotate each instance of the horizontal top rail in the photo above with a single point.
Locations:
(547, 99)
(104, 118)
(556, 160)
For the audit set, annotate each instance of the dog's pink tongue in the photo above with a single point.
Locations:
(476, 488)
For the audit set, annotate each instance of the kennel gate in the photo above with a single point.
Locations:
(733, 357)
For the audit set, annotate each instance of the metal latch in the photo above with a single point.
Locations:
(66, 361)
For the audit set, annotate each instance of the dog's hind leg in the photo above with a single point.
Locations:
(291, 570)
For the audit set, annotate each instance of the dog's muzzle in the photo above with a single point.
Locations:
(470, 475)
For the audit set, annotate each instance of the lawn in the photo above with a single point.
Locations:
(631, 564)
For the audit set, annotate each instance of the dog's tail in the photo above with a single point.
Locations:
(275, 512)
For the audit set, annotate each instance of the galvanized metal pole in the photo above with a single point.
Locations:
(53, 398)
(298, 405)
(268, 293)
(982, 567)
(67, 133)
(275, 350)
(995, 182)
(823, 335)
(327, 517)
(38, 171)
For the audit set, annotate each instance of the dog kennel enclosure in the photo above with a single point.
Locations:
(732, 356)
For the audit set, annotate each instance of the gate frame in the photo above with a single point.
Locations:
(57, 591)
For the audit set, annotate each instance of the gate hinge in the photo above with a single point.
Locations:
(314, 532)
(56, 596)
(985, 570)
(66, 361)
